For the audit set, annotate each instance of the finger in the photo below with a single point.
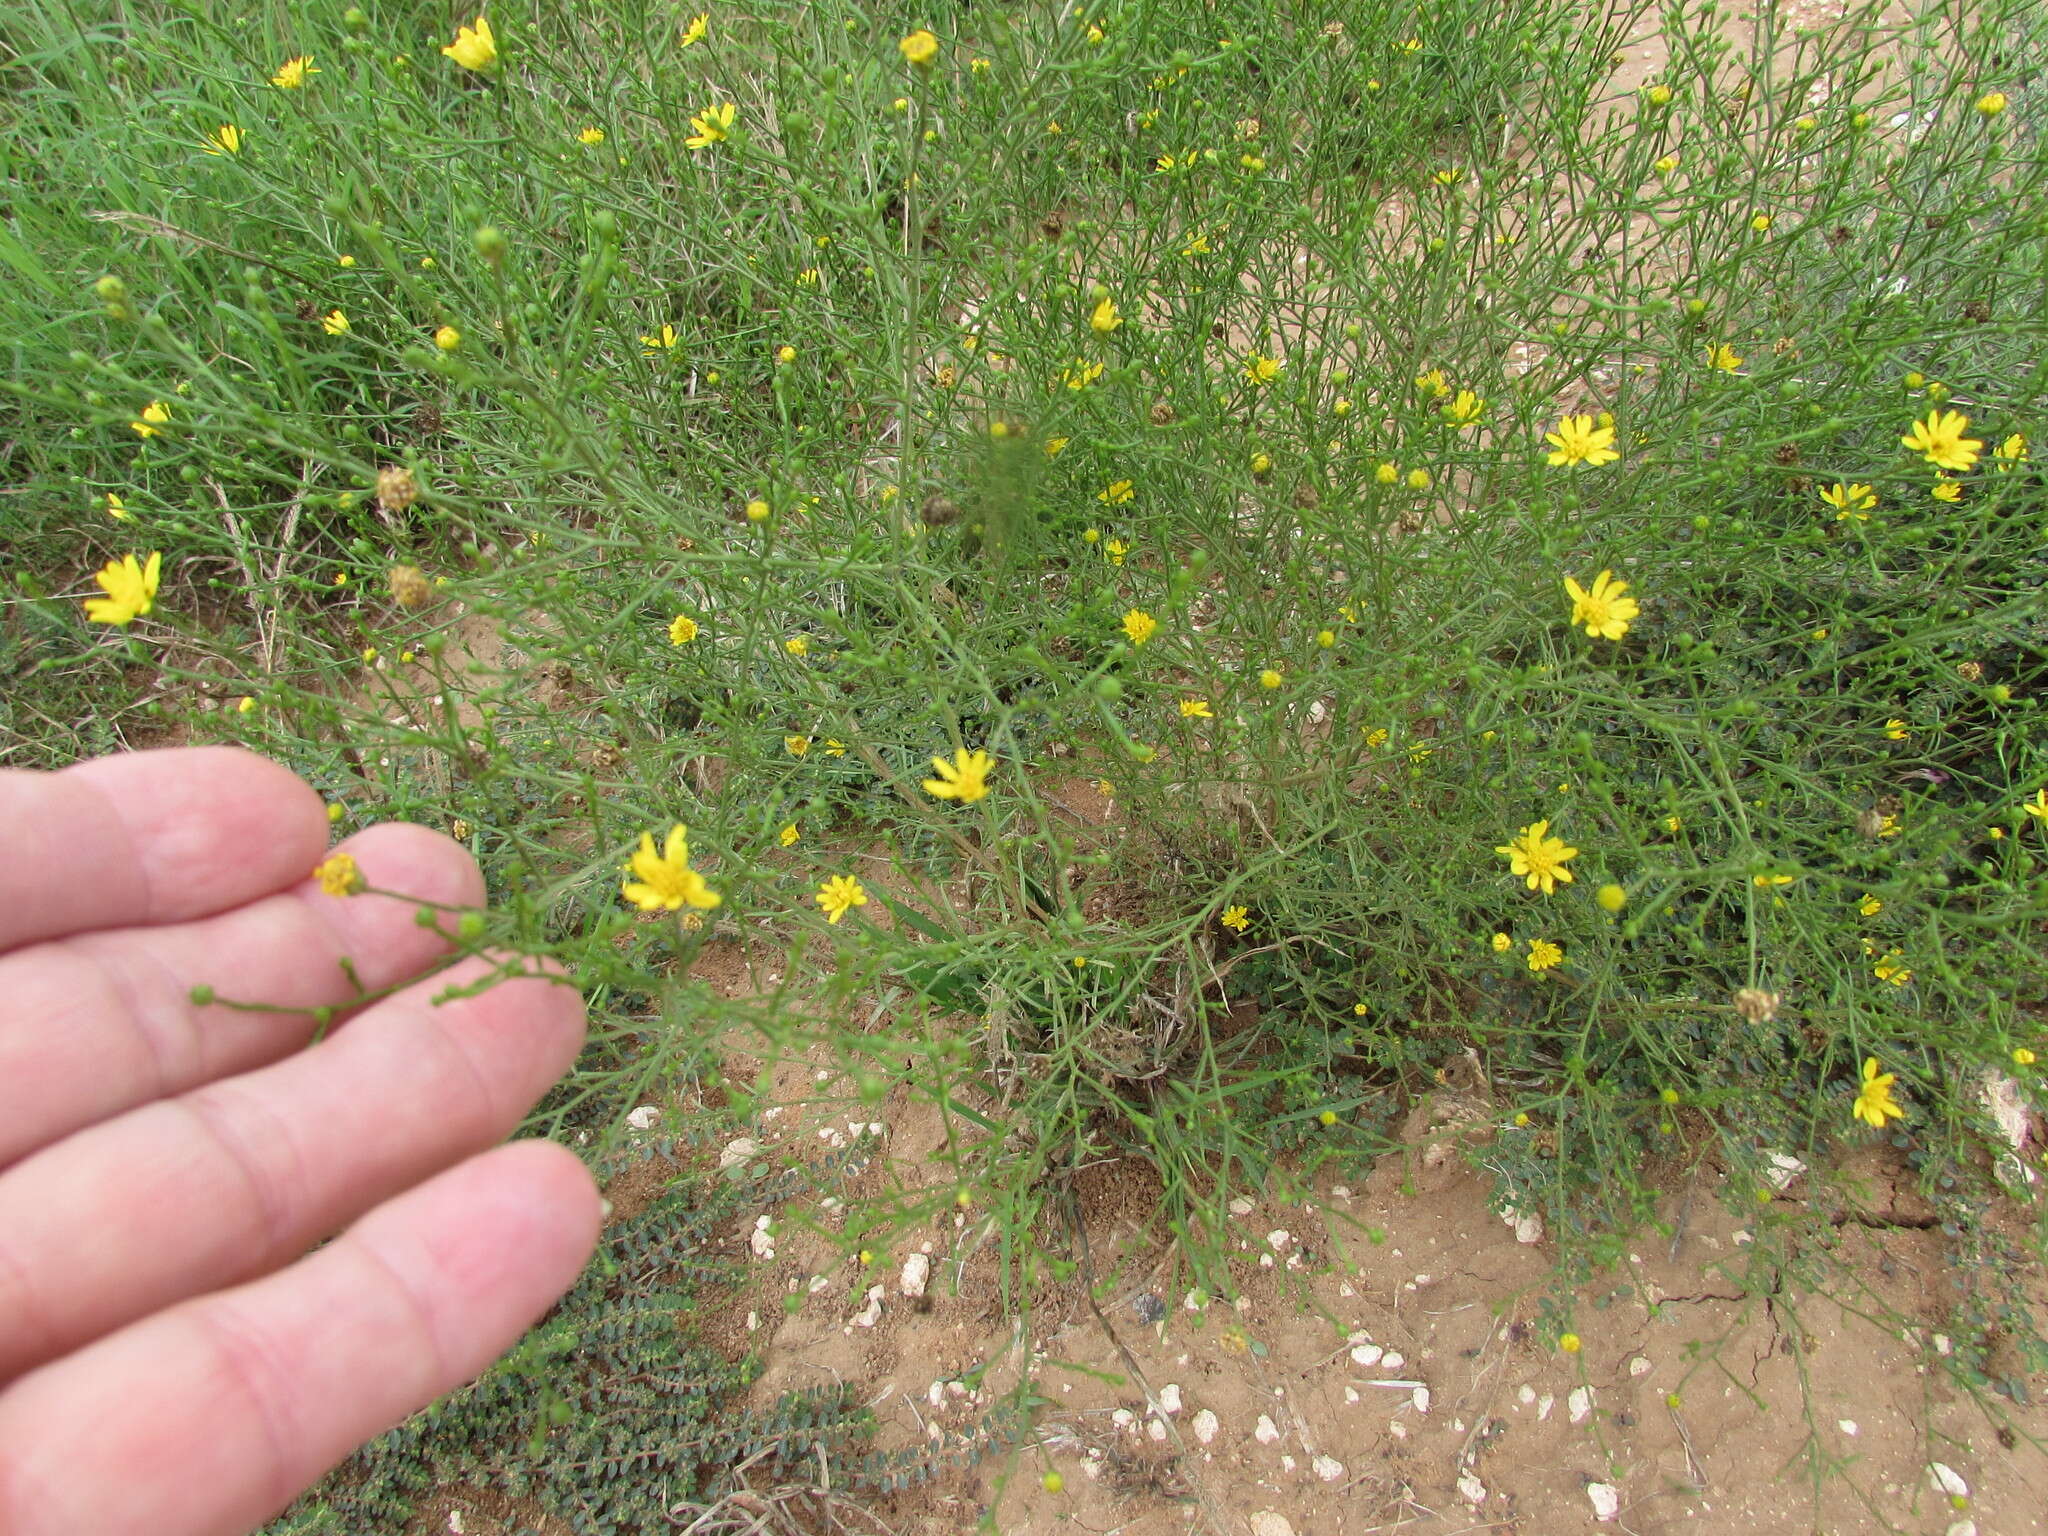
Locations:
(149, 837)
(207, 1419)
(99, 1023)
(230, 1181)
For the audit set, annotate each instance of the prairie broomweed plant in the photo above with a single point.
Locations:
(474, 47)
(130, 587)
(338, 875)
(1576, 440)
(1538, 858)
(1139, 626)
(839, 895)
(711, 126)
(224, 140)
(1604, 610)
(964, 779)
(1874, 1104)
(293, 74)
(664, 881)
(1939, 440)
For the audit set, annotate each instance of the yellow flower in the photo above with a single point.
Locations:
(1237, 918)
(1259, 369)
(1544, 955)
(334, 323)
(1465, 410)
(797, 646)
(130, 586)
(474, 47)
(338, 875)
(292, 73)
(1418, 479)
(1869, 906)
(1388, 474)
(1851, 502)
(115, 509)
(1116, 493)
(661, 341)
(1105, 319)
(964, 779)
(1722, 356)
(1079, 375)
(920, 48)
(757, 511)
(1502, 943)
(1673, 823)
(1612, 898)
(1896, 729)
(2038, 806)
(682, 629)
(834, 748)
(591, 136)
(788, 835)
(2022, 1056)
(2011, 453)
(1270, 678)
(979, 66)
(1768, 882)
(1760, 222)
(712, 125)
(796, 746)
(1199, 246)
(1991, 103)
(1945, 489)
(662, 882)
(1605, 611)
(786, 355)
(447, 338)
(840, 895)
(1195, 709)
(224, 140)
(699, 25)
(1874, 1103)
(1569, 1343)
(1889, 969)
(1578, 441)
(1054, 446)
(1433, 383)
(1940, 441)
(1539, 857)
(1115, 550)
(154, 415)
(1140, 626)
(1376, 737)
(1665, 165)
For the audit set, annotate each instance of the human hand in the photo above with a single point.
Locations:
(171, 1360)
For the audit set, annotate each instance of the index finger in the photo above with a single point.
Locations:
(149, 837)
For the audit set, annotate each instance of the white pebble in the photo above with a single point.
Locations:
(1783, 1170)
(739, 1150)
(1470, 1488)
(1579, 1404)
(1266, 1432)
(1544, 1404)
(1266, 1523)
(1240, 1206)
(1123, 1418)
(1287, 1463)
(1169, 1397)
(1393, 1360)
(935, 1394)
(1420, 1398)
(1525, 1394)
(870, 1314)
(1156, 1429)
(1847, 1427)
(1963, 1528)
(917, 1271)
(1367, 1355)
(455, 1522)
(1947, 1480)
(1328, 1468)
(643, 1118)
(1640, 1366)
(753, 1322)
(1278, 1239)
(1205, 1426)
(1606, 1500)
(1351, 1395)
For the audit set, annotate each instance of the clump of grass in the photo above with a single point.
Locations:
(1207, 415)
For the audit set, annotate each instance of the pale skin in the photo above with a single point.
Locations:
(172, 1359)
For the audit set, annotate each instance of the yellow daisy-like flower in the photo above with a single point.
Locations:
(1870, 905)
(664, 881)
(1945, 489)
(699, 25)
(1115, 550)
(1375, 737)
(1433, 383)
(474, 47)
(1116, 494)
(1889, 969)
(1874, 1102)
(292, 73)
(1578, 441)
(662, 340)
(1605, 611)
(788, 835)
(334, 323)
(338, 875)
(154, 415)
(840, 895)
(1501, 943)
(224, 140)
(591, 135)
(1270, 678)
(1054, 446)
(919, 49)
(796, 746)
(682, 629)
(964, 779)
(115, 508)
(1195, 709)
(711, 126)
(1896, 729)
(1464, 410)
(1852, 503)
(1105, 319)
(1939, 440)
(1544, 955)
(447, 338)
(1538, 857)
(834, 748)
(2038, 806)
(1140, 626)
(1259, 369)
(2010, 454)
(1079, 375)
(797, 646)
(1237, 919)
(1722, 356)
(130, 586)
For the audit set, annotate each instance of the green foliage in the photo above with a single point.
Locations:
(611, 1413)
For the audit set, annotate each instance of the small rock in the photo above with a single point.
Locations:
(1525, 1394)
(1962, 1528)
(1367, 1355)
(1544, 1404)
(1947, 1480)
(1340, 1192)
(870, 1314)
(1204, 1425)
(1328, 1468)
(1640, 1366)
(1527, 1224)
(644, 1118)
(762, 1240)
(1579, 1404)
(1240, 1206)
(935, 1394)
(1149, 1307)
(1278, 1239)
(1943, 1345)
(1266, 1523)
(1287, 1463)
(1169, 1397)
(1470, 1488)
(1194, 1301)
(1847, 1427)
(1123, 1418)
(917, 1271)
(1606, 1500)
(1420, 1398)
(1266, 1432)
(1783, 1170)
(1393, 1360)
(455, 1522)
(753, 1322)
(1156, 1429)
(739, 1150)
